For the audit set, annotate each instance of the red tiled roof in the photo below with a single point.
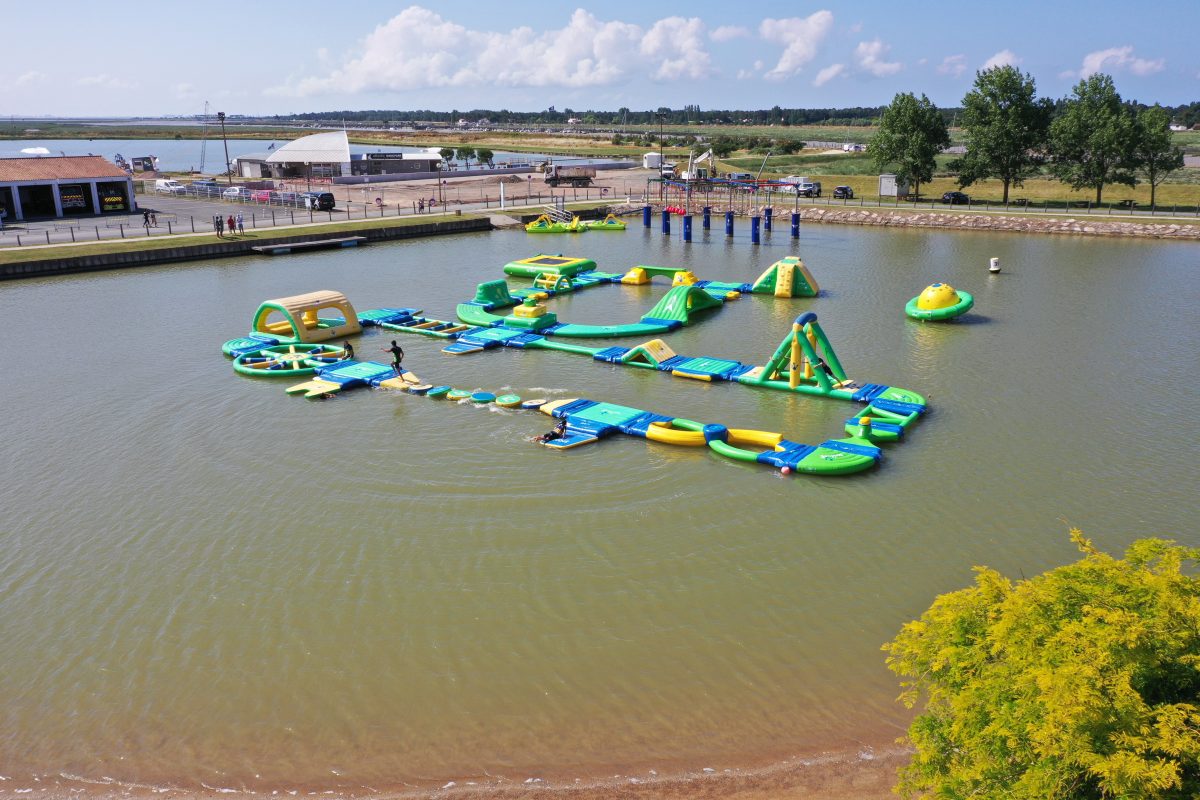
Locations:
(49, 168)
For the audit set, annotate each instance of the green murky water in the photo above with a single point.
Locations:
(206, 582)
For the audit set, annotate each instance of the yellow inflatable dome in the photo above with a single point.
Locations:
(939, 295)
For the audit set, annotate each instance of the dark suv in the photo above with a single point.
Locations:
(955, 199)
(319, 201)
(843, 193)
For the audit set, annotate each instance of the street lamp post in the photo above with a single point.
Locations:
(228, 170)
(661, 187)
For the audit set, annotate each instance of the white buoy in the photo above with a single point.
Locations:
(994, 265)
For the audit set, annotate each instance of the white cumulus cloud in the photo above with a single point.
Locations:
(954, 65)
(1116, 59)
(105, 81)
(27, 78)
(1005, 58)
(828, 74)
(724, 33)
(800, 37)
(869, 56)
(420, 49)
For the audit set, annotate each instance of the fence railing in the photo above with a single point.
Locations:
(263, 213)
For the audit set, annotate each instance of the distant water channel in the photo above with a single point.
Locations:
(205, 582)
(183, 155)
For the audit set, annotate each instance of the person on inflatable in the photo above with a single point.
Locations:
(560, 430)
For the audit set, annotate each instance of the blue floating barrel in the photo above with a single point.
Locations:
(755, 236)
(767, 218)
(707, 223)
(687, 227)
(646, 216)
(795, 224)
(666, 221)
(729, 223)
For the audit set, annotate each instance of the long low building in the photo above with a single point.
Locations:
(327, 156)
(63, 186)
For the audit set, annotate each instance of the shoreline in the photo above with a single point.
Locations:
(867, 772)
(983, 221)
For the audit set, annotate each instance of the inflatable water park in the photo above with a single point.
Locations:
(292, 337)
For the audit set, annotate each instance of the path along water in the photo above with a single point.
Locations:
(204, 581)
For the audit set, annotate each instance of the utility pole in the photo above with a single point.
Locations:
(661, 188)
(228, 170)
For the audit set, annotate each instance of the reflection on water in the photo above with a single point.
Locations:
(204, 581)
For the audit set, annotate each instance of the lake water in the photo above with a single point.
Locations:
(205, 582)
(181, 155)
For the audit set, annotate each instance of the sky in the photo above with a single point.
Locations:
(129, 57)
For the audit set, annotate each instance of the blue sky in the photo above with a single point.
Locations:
(127, 58)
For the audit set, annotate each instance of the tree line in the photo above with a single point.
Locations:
(865, 116)
(1088, 140)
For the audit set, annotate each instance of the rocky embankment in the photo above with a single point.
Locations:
(1085, 226)
(990, 222)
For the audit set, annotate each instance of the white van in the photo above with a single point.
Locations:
(740, 176)
(169, 186)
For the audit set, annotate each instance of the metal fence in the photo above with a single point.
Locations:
(267, 212)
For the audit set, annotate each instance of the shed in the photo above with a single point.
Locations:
(891, 186)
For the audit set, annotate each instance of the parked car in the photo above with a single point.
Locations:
(169, 186)
(261, 195)
(319, 201)
(955, 199)
(843, 193)
(236, 193)
(205, 187)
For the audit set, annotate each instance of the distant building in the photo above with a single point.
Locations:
(327, 155)
(63, 186)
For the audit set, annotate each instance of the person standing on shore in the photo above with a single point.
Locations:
(218, 225)
(229, 224)
(241, 224)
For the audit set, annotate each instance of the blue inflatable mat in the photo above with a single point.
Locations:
(898, 406)
(355, 373)
(791, 454)
(641, 423)
(377, 316)
(610, 354)
(856, 449)
(869, 392)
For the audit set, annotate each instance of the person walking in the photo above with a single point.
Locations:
(397, 356)
(153, 219)
(421, 206)
(241, 224)
(145, 219)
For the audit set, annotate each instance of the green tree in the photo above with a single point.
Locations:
(1153, 153)
(723, 146)
(465, 154)
(446, 153)
(911, 133)
(1092, 139)
(1080, 683)
(484, 156)
(1006, 127)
